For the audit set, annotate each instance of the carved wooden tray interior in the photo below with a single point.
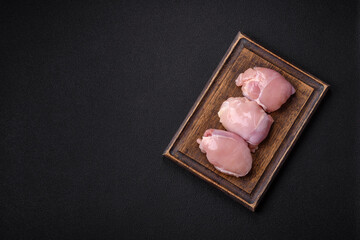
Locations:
(290, 120)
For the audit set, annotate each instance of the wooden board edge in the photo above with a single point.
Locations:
(248, 205)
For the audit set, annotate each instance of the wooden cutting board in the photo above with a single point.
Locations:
(290, 120)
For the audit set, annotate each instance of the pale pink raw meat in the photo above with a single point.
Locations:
(266, 87)
(228, 152)
(245, 118)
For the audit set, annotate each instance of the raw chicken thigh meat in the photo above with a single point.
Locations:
(245, 118)
(228, 152)
(266, 87)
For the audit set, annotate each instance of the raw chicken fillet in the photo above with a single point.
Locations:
(266, 87)
(228, 152)
(245, 118)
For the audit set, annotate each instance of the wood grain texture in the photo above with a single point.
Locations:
(290, 120)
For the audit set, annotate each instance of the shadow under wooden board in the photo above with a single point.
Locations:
(289, 121)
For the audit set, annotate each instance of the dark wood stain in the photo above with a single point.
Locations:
(290, 119)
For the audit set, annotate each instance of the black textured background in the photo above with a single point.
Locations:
(92, 92)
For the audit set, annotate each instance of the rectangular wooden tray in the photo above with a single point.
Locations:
(290, 120)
